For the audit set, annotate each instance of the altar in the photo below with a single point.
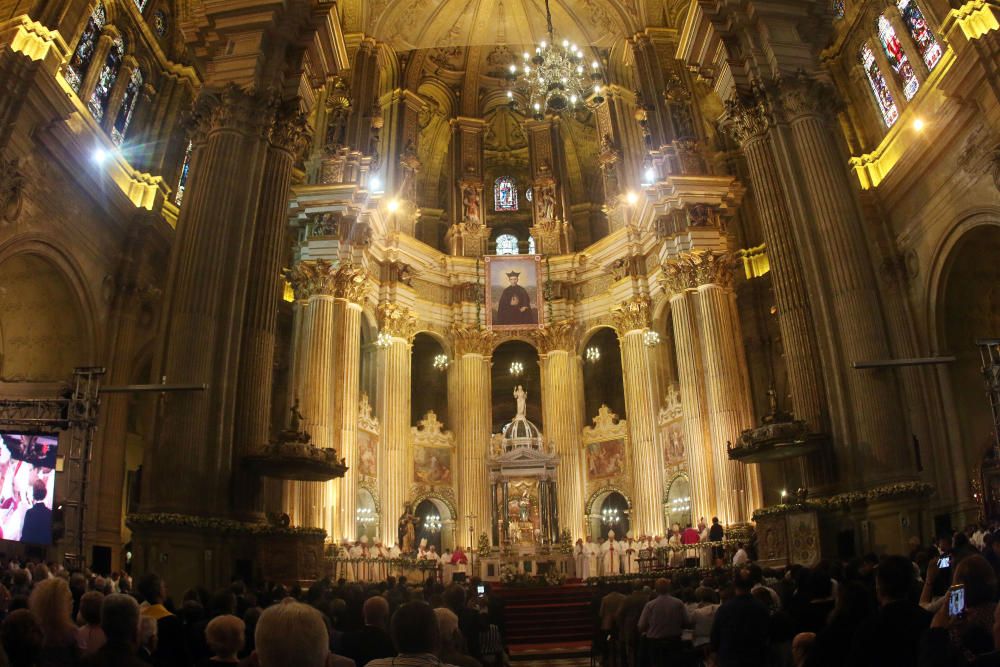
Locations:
(522, 473)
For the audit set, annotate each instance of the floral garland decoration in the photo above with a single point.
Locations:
(217, 525)
(844, 501)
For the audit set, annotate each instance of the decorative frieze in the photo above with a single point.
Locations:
(319, 277)
(631, 315)
(397, 320)
(471, 340)
(746, 119)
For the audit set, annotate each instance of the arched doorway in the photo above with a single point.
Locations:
(366, 515)
(609, 510)
(515, 363)
(428, 379)
(437, 525)
(970, 310)
(602, 374)
(677, 508)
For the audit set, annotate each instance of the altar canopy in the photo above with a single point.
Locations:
(522, 478)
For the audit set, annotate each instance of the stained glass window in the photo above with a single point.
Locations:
(528, 194)
(531, 245)
(98, 103)
(505, 194)
(129, 100)
(182, 181)
(141, 4)
(886, 104)
(506, 244)
(80, 62)
(838, 9)
(897, 57)
(915, 22)
(160, 23)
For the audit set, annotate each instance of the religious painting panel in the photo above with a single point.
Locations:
(605, 460)
(514, 297)
(432, 465)
(673, 444)
(803, 539)
(367, 454)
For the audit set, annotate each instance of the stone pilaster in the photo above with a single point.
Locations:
(563, 418)
(212, 277)
(748, 123)
(314, 285)
(838, 241)
(350, 284)
(473, 348)
(397, 326)
(642, 400)
(737, 486)
(697, 438)
(286, 139)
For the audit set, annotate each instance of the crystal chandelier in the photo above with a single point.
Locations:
(554, 78)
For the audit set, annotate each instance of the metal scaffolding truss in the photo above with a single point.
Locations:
(73, 415)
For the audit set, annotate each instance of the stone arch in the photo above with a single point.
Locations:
(446, 510)
(46, 313)
(964, 305)
(602, 376)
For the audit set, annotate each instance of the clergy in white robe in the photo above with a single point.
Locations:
(447, 569)
(611, 552)
(593, 556)
(581, 560)
(631, 556)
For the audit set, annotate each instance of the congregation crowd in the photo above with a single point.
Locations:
(872, 611)
(934, 607)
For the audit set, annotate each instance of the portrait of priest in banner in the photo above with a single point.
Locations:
(514, 295)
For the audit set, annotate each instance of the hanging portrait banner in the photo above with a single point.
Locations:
(514, 298)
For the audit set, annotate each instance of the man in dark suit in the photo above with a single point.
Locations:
(892, 635)
(372, 641)
(37, 527)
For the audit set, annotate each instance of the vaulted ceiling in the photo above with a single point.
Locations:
(418, 24)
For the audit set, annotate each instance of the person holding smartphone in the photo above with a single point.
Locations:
(959, 630)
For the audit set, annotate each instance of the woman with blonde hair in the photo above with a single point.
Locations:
(51, 603)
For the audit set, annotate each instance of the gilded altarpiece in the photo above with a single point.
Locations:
(606, 455)
(433, 457)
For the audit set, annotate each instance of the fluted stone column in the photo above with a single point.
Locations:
(642, 402)
(260, 317)
(727, 386)
(847, 274)
(349, 289)
(749, 124)
(212, 288)
(697, 439)
(315, 283)
(564, 421)
(473, 348)
(398, 323)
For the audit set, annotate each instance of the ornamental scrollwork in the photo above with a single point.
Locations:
(350, 282)
(746, 119)
(290, 131)
(802, 94)
(311, 277)
(694, 269)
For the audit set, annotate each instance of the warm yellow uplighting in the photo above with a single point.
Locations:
(393, 205)
(918, 124)
(631, 198)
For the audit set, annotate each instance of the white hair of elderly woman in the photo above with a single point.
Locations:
(291, 633)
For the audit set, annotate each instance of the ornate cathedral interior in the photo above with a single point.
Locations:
(283, 278)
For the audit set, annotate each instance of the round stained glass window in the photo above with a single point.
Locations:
(160, 23)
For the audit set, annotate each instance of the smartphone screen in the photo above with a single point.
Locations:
(956, 601)
(481, 589)
(944, 562)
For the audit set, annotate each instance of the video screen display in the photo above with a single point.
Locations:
(27, 486)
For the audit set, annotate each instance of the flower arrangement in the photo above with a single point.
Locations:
(553, 577)
(216, 525)
(565, 543)
(483, 547)
(844, 501)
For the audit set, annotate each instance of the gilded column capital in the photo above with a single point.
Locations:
(557, 336)
(397, 320)
(746, 119)
(631, 315)
(695, 269)
(312, 277)
(350, 282)
(467, 339)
